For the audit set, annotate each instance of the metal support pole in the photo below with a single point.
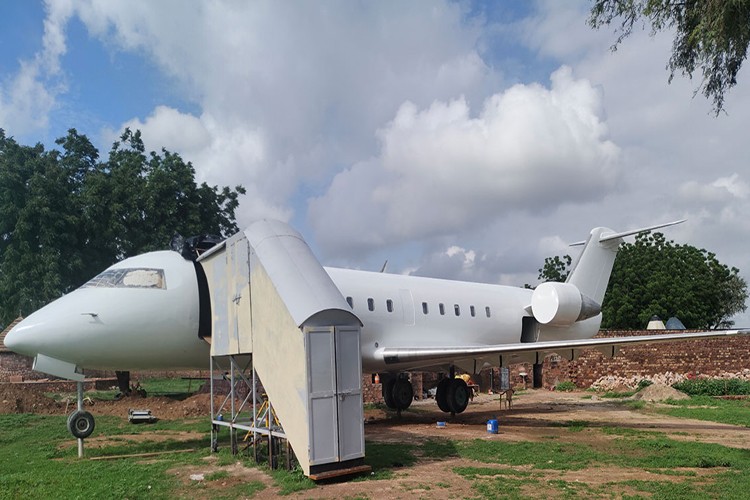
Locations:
(80, 408)
(232, 430)
(214, 427)
(255, 416)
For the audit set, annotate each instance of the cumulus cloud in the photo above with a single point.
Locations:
(27, 97)
(300, 87)
(720, 190)
(440, 169)
(235, 155)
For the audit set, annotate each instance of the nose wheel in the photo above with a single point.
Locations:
(81, 424)
(398, 393)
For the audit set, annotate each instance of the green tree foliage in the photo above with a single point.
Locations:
(710, 35)
(555, 268)
(656, 276)
(65, 215)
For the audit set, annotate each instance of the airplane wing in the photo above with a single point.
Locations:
(425, 356)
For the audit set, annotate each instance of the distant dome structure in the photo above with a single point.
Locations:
(655, 323)
(674, 323)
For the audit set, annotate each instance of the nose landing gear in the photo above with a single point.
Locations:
(398, 393)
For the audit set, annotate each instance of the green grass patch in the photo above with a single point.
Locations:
(384, 458)
(572, 425)
(727, 411)
(438, 448)
(170, 386)
(541, 455)
(617, 394)
(216, 475)
(291, 481)
(39, 461)
(635, 405)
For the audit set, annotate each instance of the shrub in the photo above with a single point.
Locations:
(643, 384)
(566, 386)
(713, 387)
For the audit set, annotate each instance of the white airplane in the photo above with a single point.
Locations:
(148, 312)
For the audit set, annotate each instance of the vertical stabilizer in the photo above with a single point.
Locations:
(593, 267)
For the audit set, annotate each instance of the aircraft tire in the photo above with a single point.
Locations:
(388, 393)
(81, 424)
(402, 393)
(458, 395)
(441, 396)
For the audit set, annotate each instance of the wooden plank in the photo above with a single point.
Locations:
(138, 455)
(349, 471)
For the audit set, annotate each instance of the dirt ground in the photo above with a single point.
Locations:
(535, 416)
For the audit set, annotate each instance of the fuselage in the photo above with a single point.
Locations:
(143, 313)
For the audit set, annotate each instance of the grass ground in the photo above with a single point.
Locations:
(38, 460)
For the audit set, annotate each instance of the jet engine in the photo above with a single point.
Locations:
(561, 304)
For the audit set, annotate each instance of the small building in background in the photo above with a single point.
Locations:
(674, 323)
(655, 323)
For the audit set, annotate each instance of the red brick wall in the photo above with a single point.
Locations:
(699, 357)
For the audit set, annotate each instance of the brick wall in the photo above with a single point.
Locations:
(706, 357)
(700, 357)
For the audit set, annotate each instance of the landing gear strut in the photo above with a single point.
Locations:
(398, 393)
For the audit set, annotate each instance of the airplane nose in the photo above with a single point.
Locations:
(11, 340)
(21, 339)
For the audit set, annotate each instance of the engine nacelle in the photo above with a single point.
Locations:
(561, 304)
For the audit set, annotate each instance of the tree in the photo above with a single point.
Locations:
(65, 215)
(656, 276)
(710, 35)
(555, 268)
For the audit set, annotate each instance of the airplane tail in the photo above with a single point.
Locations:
(592, 269)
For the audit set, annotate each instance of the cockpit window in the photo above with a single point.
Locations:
(129, 278)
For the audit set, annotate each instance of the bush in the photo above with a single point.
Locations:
(713, 387)
(566, 386)
(643, 384)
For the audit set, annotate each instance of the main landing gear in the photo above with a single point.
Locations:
(452, 395)
(398, 393)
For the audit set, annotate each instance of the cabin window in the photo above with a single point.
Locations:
(487, 311)
(389, 305)
(441, 306)
(350, 301)
(370, 304)
(128, 278)
(457, 309)
(425, 309)
(472, 311)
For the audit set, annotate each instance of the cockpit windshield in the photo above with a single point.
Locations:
(128, 278)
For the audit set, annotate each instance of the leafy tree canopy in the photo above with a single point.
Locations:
(65, 215)
(711, 36)
(656, 276)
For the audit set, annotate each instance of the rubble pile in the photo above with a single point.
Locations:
(617, 383)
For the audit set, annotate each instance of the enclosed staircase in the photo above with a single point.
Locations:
(278, 319)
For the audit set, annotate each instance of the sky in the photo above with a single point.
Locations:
(455, 139)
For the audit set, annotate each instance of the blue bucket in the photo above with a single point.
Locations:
(492, 426)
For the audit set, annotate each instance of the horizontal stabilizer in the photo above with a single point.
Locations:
(613, 236)
(448, 354)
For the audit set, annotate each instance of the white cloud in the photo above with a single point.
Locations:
(235, 155)
(27, 98)
(306, 83)
(722, 190)
(441, 170)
